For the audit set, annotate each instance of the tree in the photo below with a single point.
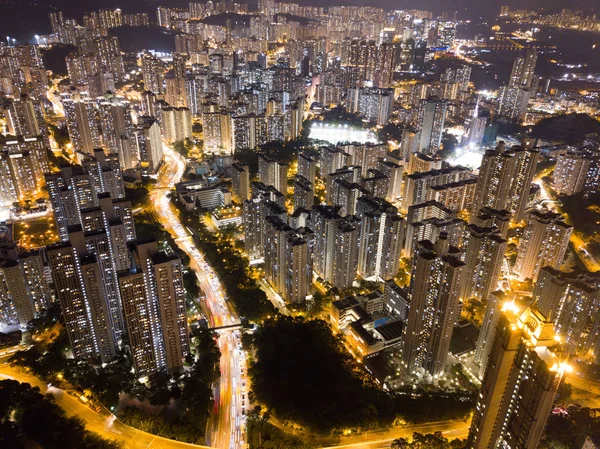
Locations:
(60, 135)
(400, 443)
(25, 415)
(303, 373)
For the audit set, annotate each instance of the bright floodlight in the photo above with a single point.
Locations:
(335, 134)
(467, 157)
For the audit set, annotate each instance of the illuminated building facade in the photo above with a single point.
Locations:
(544, 243)
(520, 382)
(434, 296)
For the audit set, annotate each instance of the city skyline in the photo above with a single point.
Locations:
(315, 217)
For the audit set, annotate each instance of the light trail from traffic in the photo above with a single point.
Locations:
(101, 422)
(226, 427)
(57, 106)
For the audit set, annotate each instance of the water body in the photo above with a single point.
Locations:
(574, 47)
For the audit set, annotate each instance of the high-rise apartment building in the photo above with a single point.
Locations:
(476, 128)
(523, 70)
(572, 172)
(153, 72)
(82, 123)
(505, 178)
(332, 159)
(420, 163)
(266, 201)
(117, 131)
(520, 382)
(375, 104)
(544, 243)
(381, 236)
(571, 299)
(24, 290)
(361, 61)
(424, 221)
(154, 311)
(108, 52)
(455, 83)
(493, 310)
(514, 97)
(335, 246)
(240, 182)
(484, 256)
(434, 297)
(24, 161)
(249, 131)
(148, 144)
(176, 123)
(417, 186)
(431, 119)
(78, 281)
(76, 189)
(307, 167)
(110, 18)
(288, 260)
(217, 127)
(387, 58)
(267, 8)
(304, 195)
(24, 117)
(272, 173)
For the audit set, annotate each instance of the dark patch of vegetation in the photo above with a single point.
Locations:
(390, 131)
(221, 19)
(26, 415)
(261, 434)
(303, 374)
(136, 39)
(60, 135)
(339, 115)
(417, 407)
(184, 419)
(429, 441)
(137, 196)
(584, 213)
(569, 430)
(57, 161)
(449, 145)
(277, 149)
(54, 58)
(569, 128)
(183, 147)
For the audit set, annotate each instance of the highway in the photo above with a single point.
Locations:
(586, 392)
(383, 439)
(226, 427)
(55, 99)
(101, 422)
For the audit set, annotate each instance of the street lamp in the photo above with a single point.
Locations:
(37, 39)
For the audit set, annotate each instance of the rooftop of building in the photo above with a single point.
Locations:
(390, 331)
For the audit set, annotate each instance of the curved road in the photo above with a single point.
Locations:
(103, 422)
(226, 424)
